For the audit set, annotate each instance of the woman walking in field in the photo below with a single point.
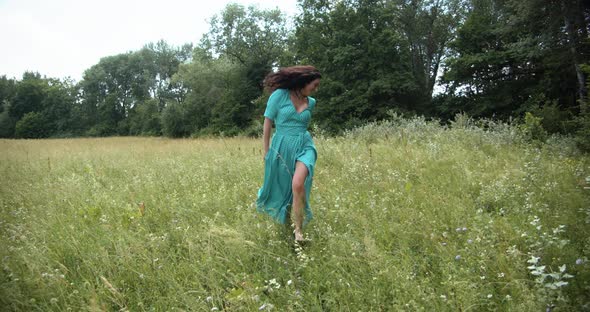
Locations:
(290, 159)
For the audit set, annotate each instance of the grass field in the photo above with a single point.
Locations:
(408, 216)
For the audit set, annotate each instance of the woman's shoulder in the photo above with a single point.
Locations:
(280, 91)
(311, 101)
(277, 95)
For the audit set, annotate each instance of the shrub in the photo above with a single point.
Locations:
(553, 119)
(7, 123)
(33, 125)
(532, 128)
(254, 130)
(145, 119)
(173, 121)
(461, 121)
(583, 132)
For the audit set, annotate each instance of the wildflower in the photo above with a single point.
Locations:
(289, 282)
(508, 298)
(209, 299)
(490, 296)
(214, 309)
(470, 241)
(458, 257)
(501, 275)
(266, 306)
(533, 260)
(579, 261)
(53, 300)
(273, 283)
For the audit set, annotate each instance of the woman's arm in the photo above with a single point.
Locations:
(266, 130)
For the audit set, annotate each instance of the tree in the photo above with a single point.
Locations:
(376, 55)
(214, 97)
(429, 26)
(515, 56)
(28, 96)
(365, 61)
(107, 93)
(174, 123)
(7, 90)
(119, 85)
(247, 42)
(7, 122)
(160, 62)
(59, 101)
(249, 36)
(145, 119)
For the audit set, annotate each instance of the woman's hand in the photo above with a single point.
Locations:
(266, 129)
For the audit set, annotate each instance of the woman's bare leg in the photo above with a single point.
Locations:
(298, 186)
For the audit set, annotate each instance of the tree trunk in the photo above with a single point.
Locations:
(573, 41)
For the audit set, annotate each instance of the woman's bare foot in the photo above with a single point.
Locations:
(298, 236)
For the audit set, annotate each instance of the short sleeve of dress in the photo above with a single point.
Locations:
(272, 105)
(311, 103)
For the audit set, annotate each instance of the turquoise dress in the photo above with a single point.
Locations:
(290, 143)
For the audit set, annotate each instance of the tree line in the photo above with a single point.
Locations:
(485, 58)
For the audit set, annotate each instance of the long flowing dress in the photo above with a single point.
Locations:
(290, 143)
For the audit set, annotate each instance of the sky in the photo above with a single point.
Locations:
(63, 38)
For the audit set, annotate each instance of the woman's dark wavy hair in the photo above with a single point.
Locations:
(292, 78)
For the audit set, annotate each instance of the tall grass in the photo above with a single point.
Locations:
(409, 216)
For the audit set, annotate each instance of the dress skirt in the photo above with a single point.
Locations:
(275, 197)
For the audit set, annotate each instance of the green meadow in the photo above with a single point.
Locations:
(408, 216)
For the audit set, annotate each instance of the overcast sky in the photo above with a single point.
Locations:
(62, 38)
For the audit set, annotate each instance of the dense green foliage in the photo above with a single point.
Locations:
(435, 58)
(516, 56)
(408, 216)
(376, 55)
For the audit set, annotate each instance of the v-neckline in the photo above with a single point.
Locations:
(295, 107)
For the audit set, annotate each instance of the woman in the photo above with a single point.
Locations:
(290, 159)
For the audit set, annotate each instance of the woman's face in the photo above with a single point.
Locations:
(310, 87)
